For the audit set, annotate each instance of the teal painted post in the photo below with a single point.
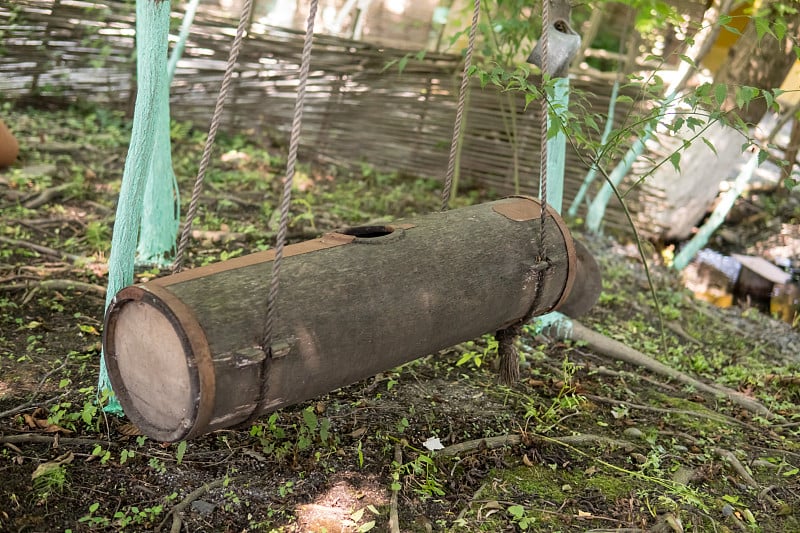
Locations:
(183, 35)
(557, 145)
(556, 161)
(152, 29)
(597, 209)
(589, 179)
(724, 206)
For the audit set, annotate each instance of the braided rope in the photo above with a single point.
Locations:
(543, 125)
(216, 118)
(507, 337)
(451, 163)
(286, 200)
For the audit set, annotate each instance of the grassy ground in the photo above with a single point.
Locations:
(581, 443)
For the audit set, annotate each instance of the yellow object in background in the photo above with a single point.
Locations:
(785, 302)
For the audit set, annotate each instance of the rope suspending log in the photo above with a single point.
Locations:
(462, 96)
(555, 50)
(286, 200)
(216, 118)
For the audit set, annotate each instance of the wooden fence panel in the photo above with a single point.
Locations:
(358, 110)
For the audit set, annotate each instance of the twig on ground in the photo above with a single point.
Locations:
(621, 352)
(176, 511)
(51, 193)
(36, 392)
(36, 438)
(678, 330)
(624, 374)
(471, 501)
(44, 250)
(394, 515)
(737, 466)
(56, 285)
(491, 443)
(710, 415)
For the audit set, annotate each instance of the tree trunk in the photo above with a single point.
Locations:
(760, 63)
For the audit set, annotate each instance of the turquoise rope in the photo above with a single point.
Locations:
(161, 220)
(152, 30)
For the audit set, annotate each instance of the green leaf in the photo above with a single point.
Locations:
(762, 26)
(310, 419)
(367, 526)
(780, 29)
(731, 29)
(624, 98)
(768, 98)
(762, 156)
(720, 93)
(517, 511)
(324, 429)
(529, 97)
(179, 453)
(465, 358)
(686, 59)
(401, 65)
(675, 159)
(710, 145)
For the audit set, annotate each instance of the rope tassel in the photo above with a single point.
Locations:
(509, 354)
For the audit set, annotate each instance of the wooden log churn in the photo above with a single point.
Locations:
(182, 351)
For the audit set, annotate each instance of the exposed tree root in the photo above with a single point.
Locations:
(56, 285)
(491, 443)
(176, 511)
(394, 515)
(47, 195)
(44, 250)
(37, 438)
(711, 415)
(619, 351)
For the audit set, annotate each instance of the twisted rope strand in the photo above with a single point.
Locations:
(216, 118)
(286, 200)
(543, 125)
(451, 163)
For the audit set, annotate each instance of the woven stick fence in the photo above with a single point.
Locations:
(358, 109)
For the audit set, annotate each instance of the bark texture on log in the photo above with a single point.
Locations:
(183, 352)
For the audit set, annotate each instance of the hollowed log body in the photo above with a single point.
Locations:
(182, 351)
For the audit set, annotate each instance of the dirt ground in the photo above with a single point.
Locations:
(581, 443)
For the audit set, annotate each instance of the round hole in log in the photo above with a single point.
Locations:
(367, 232)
